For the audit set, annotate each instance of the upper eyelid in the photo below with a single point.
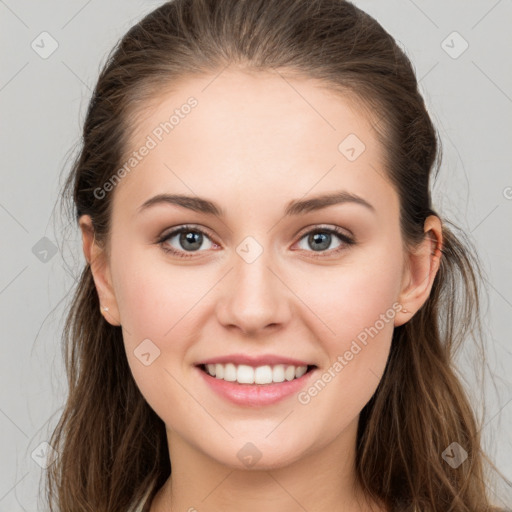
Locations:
(190, 227)
(326, 227)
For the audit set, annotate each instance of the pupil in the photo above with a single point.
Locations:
(189, 238)
(320, 237)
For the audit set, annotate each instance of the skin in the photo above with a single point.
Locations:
(254, 143)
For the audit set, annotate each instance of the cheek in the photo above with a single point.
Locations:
(354, 319)
(152, 297)
(352, 297)
(357, 308)
(155, 304)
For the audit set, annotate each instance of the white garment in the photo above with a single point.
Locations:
(138, 507)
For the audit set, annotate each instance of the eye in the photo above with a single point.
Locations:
(189, 239)
(320, 239)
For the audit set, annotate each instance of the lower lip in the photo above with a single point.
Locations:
(255, 395)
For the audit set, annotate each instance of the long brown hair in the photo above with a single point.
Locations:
(112, 446)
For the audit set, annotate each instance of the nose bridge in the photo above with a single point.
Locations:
(254, 296)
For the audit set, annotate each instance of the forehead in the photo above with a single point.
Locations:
(253, 133)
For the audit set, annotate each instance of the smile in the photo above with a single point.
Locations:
(255, 386)
(245, 374)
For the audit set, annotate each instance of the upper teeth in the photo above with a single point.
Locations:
(244, 374)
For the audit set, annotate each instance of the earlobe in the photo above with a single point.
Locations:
(420, 271)
(97, 260)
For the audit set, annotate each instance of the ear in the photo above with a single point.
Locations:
(420, 270)
(97, 258)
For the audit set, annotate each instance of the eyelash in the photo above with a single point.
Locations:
(347, 241)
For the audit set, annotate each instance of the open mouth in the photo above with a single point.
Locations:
(245, 374)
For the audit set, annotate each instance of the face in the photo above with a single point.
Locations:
(267, 275)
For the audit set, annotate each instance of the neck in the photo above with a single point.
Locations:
(322, 481)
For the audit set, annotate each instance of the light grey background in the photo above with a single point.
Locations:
(43, 103)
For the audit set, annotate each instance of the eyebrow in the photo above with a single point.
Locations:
(295, 207)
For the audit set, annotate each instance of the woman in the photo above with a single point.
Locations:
(298, 355)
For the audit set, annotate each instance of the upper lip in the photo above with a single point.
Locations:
(269, 359)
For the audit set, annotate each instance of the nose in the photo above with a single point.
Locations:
(254, 297)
